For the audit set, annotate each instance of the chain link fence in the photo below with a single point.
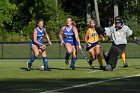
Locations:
(22, 50)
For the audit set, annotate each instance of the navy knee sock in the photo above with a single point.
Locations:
(73, 61)
(45, 62)
(67, 55)
(32, 59)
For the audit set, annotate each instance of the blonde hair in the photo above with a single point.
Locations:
(73, 23)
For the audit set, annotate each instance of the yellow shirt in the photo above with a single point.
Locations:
(93, 36)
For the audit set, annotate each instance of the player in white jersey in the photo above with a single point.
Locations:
(118, 33)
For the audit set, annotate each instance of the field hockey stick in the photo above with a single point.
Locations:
(136, 41)
(81, 50)
(47, 44)
(92, 45)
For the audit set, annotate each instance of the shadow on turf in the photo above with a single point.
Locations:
(59, 69)
(130, 85)
(39, 69)
(94, 68)
(25, 69)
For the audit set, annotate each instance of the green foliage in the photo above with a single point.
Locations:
(28, 30)
(135, 27)
(18, 17)
(55, 23)
(7, 11)
(81, 25)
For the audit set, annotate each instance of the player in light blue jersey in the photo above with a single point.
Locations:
(69, 37)
(38, 46)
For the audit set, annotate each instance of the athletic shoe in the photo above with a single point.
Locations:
(72, 67)
(90, 62)
(108, 68)
(67, 62)
(101, 68)
(28, 66)
(47, 69)
(125, 65)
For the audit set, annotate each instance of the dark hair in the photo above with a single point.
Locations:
(39, 21)
(93, 20)
(90, 22)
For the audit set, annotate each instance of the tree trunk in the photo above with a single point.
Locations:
(97, 12)
(138, 11)
(116, 10)
(88, 11)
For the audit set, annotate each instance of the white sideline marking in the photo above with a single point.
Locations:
(91, 83)
(94, 71)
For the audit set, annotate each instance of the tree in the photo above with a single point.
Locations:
(7, 11)
(116, 10)
(97, 12)
(138, 11)
(88, 11)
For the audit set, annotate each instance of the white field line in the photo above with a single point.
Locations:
(94, 71)
(90, 83)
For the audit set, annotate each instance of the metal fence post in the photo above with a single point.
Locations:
(2, 50)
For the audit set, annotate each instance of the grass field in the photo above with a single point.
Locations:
(15, 79)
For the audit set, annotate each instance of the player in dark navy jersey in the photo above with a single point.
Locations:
(69, 37)
(38, 46)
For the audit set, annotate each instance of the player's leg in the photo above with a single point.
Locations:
(74, 58)
(123, 56)
(106, 56)
(68, 53)
(97, 51)
(113, 56)
(45, 60)
(36, 53)
(90, 61)
(92, 56)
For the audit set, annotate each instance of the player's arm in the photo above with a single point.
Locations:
(61, 35)
(129, 32)
(99, 30)
(47, 36)
(77, 37)
(133, 36)
(35, 38)
(108, 31)
(102, 37)
(86, 36)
